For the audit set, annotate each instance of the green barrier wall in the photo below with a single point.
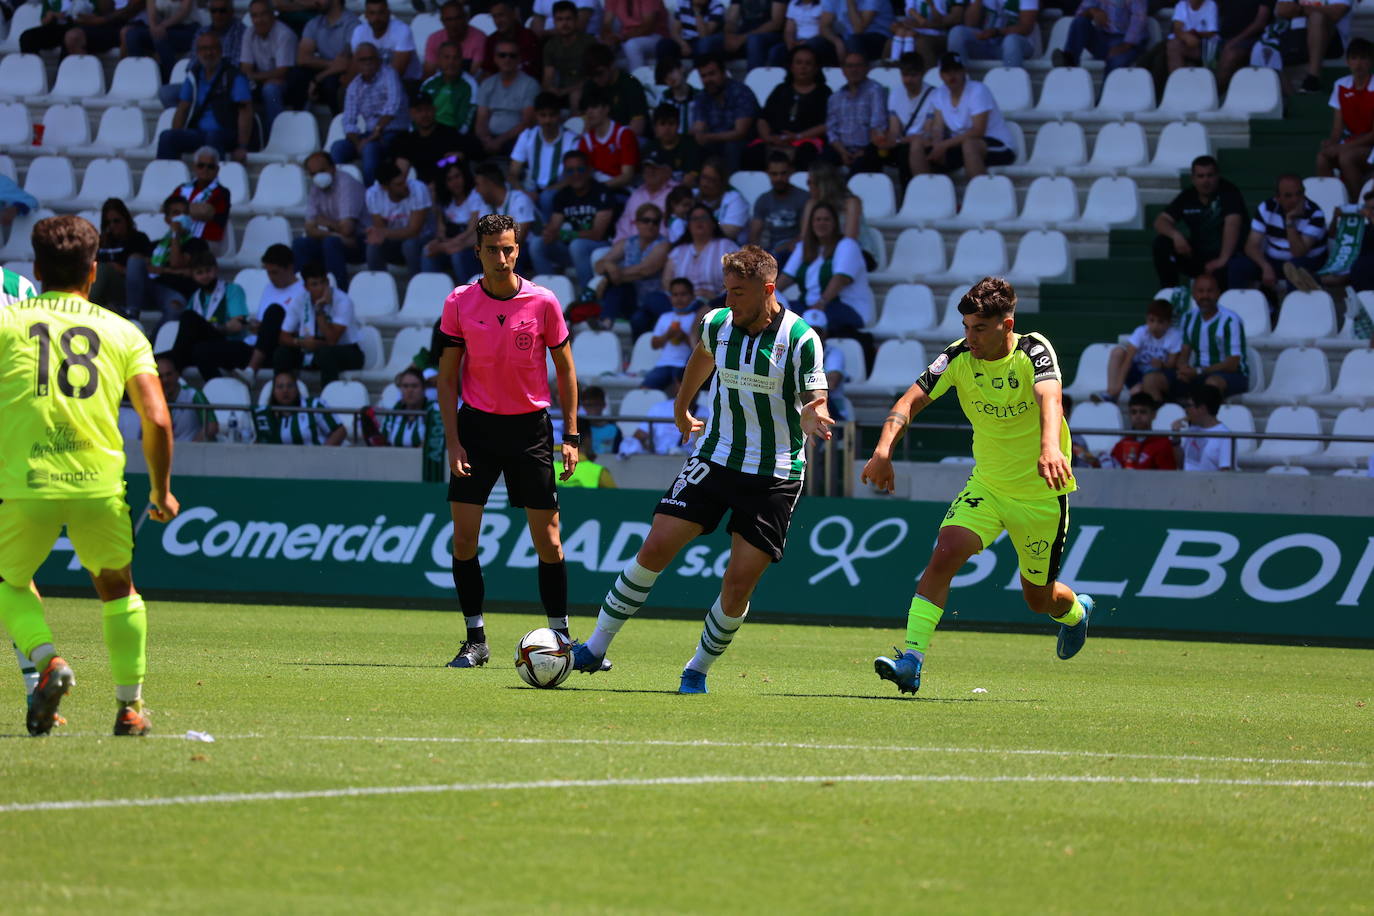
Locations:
(1264, 575)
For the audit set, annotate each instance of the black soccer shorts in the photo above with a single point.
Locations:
(517, 445)
(760, 506)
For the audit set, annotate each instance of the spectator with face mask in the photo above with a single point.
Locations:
(334, 211)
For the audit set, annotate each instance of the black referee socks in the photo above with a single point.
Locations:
(553, 593)
(472, 592)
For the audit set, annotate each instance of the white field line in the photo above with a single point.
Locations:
(370, 791)
(804, 746)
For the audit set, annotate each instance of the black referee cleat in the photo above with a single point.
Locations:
(471, 655)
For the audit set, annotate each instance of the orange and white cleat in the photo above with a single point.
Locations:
(54, 683)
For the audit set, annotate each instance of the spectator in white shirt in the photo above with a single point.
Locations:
(392, 38)
(1193, 39)
(398, 213)
(1204, 453)
(1143, 363)
(966, 128)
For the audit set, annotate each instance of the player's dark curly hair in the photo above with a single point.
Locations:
(64, 249)
(990, 297)
(494, 224)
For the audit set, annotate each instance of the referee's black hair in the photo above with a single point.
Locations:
(494, 224)
(990, 297)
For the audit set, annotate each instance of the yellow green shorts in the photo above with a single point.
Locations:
(1036, 527)
(100, 530)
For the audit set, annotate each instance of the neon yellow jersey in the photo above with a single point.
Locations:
(64, 365)
(998, 398)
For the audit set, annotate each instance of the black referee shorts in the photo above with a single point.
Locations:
(517, 445)
(760, 506)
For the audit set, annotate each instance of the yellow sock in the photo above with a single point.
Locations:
(1072, 616)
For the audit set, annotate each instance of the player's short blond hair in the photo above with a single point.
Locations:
(64, 248)
(751, 262)
(990, 297)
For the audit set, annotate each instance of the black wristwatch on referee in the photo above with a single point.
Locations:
(573, 439)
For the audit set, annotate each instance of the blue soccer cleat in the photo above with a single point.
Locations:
(693, 681)
(904, 670)
(586, 662)
(1071, 639)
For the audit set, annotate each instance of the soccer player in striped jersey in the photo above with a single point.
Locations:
(65, 364)
(769, 395)
(14, 287)
(1010, 389)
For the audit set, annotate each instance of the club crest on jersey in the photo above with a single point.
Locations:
(1013, 381)
(778, 353)
(997, 383)
(677, 486)
(940, 365)
(524, 340)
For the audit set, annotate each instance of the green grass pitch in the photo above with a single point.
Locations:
(1142, 776)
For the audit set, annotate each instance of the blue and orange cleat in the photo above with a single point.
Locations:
(904, 670)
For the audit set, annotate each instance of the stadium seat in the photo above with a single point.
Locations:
(1254, 93)
(347, 398)
(374, 294)
(1255, 361)
(51, 179)
(751, 185)
(1010, 88)
(1179, 144)
(1018, 143)
(14, 124)
(951, 322)
(917, 252)
(374, 357)
(135, 82)
(1351, 422)
(927, 198)
(79, 76)
(1166, 416)
(1354, 383)
(166, 336)
(979, 253)
(636, 403)
(894, 368)
(407, 343)
(1298, 373)
(1091, 376)
(151, 225)
(596, 353)
(389, 396)
(1252, 308)
(234, 178)
(1126, 93)
(19, 247)
(160, 178)
(281, 190)
(1050, 201)
(559, 285)
(121, 130)
(7, 167)
(335, 131)
(875, 192)
(1304, 317)
(890, 78)
(1112, 202)
(1059, 146)
(988, 200)
(1238, 418)
(26, 16)
(424, 299)
(22, 76)
(294, 135)
(834, 78)
(253, 280)
(1065, 90)
(104, 178)
(425, 25)
(645, 75)
(226, 390)
(801, 180)
(1296, 420)
(1327, 193)
(260, 233)
(763, 80)
(1295, 469)
(265, 392)
(65, 127)
(871, 242)
(1041, 255)
(908, 309)
(1117, 147)
(643, 356)
(1189, 91)
(855, 369)
(164, 122)
(1087, 415)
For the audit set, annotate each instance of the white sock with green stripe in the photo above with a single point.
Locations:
(716, 635)
(623, 601)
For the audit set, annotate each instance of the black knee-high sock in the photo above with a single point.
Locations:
(553, 592)
(472, 591)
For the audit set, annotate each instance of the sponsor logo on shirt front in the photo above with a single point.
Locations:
(61, 438)
(1000, 411)
(748, 381)
(38, 478)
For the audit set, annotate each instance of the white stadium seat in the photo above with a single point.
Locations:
(1065, 90)
(26, 16)
(234, 178)
(1305, 317)
(1010, 88)
(425, 25)
(834, 78)
(1189, 91)
(335, 132)
(1087, 415)
(79, 76)
(751, 185)
(14, 124)
(1354, 383)
(160, 178)
(1119, 146)
(890, 78)
(763, 80)
(1041, 255)
(65, 127)
(1252, 308)
(135, 82)
(1179, 144)
(908, 309)
(1238, 418)
(374, 294)
(121, 130)
(853, 351)
(896, 366)
(1255, 363)
(988, 200)
(979, 253)
(1293, 469)
(252, 280)
(424, 298)
(1327, 193)
(374, 357)
(559, 285)
(928, 198)
(281, 189)
(407, 343)
(1166, 416)
(225, 390)
(1352, 422)
(916, 253)
(1111, 202)
(20, 244)
(875, 191)
(166, 336)
(1050, 201)
(1091, 376)
(164, 123)
(636, 403)
(1298, 373)
(951, 321)
(260, 233)
(151, 225)
(294, 135)
(1059, 146)
(104, 178)
(51, 179)
(1126, 92)
(1299, 420)
(643, 356)
(596, 353)
(346, 397)
(7, 167)
(22, 76)
(1254, 92)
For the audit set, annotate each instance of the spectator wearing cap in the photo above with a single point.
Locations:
(334, 212)
(863, 25)
(392, 39)
(323, 58)
(268, 55)
(679, 149)
(214, 107)
(856, 118)
(836, 372)
(505, 101)
(629, 105)
(565, 55)
(1143, 452)
(397, 211)
(470, 41)
(633, 270)
(634, 27)
(1002, 30)
(1201, 227)
(723, 114)
(207, 200)
(1288, 233)
(776, 221)
(1348, 146)
(428, 142)
(794, 117)
(966, 128)
(376, 100)
(612, 148)
(658, 184)
(506, 16)
(453, 90)
(755, 26)
(1112, 30)
(536, 162)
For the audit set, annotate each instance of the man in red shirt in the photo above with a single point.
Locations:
(497, 332)
(1144, 453)
(1352, 121)
(208, 199)
(612, 148)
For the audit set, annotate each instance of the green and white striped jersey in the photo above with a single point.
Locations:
(14, 287)
(758, 394)
(1212, 341)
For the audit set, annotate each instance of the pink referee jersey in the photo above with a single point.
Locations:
(504, 368)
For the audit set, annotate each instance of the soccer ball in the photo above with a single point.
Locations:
(544, 658)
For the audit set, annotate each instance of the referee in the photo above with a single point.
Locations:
(497, 331)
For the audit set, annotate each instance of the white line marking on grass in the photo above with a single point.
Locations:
(370, 791)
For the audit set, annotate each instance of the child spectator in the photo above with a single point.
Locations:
(1142, 364)
(1143, 453)
(603, 435)
(1352, 121)
(674, 337)
(680, 200)
(1203, 453)
(162, 281)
